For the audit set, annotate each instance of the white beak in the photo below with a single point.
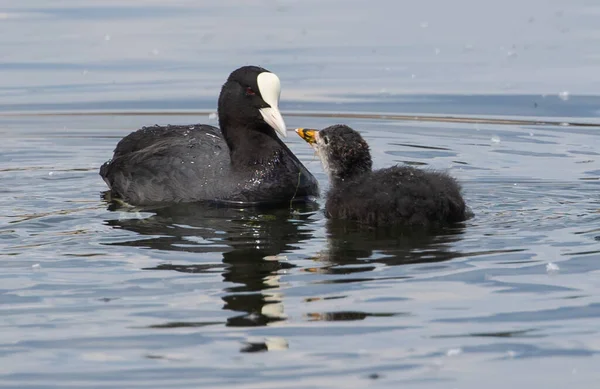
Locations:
(270, 90)
(274, 119)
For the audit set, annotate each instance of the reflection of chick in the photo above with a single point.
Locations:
(399, 195)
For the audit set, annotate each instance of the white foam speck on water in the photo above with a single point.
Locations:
(36, 266)
(212, 116)
(564, 95)
(453, 352)
(552, 267)
(495, 139)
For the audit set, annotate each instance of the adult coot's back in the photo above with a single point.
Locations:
(243, 163)
(399, 195)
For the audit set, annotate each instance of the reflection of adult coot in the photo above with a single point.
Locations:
(254, 239)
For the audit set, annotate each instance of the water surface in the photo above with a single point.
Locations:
(200, 296)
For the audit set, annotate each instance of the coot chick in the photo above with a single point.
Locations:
(243, 163)
(394, 196)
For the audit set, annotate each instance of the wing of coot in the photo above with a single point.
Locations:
(168, 164)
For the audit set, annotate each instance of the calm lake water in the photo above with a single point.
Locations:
(203, 297)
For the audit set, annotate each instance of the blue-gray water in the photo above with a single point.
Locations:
(199, 297)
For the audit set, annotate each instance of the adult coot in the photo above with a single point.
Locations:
(395, 196)
(242, 163)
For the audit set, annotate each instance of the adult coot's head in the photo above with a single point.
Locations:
(249, 100)
(343, 152)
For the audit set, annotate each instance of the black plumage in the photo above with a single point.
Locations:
(243, 162)
(394, 196)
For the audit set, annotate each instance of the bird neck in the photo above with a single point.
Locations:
(349, 170)
(346, 176)
(251, 147)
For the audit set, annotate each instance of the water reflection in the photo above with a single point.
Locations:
(352, 249)
(251, 241)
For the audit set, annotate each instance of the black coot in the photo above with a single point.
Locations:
(395, 196)
(242, 163)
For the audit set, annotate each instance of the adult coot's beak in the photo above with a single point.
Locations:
(308, 135)
(274, 119)
(270, 89)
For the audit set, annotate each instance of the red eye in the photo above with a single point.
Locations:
(249, 92)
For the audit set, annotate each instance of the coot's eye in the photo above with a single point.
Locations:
(325, 139)
(249, 92)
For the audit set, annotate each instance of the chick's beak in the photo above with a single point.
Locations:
(308, 135)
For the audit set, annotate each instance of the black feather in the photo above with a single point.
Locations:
(394, 196)
(242, 163)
